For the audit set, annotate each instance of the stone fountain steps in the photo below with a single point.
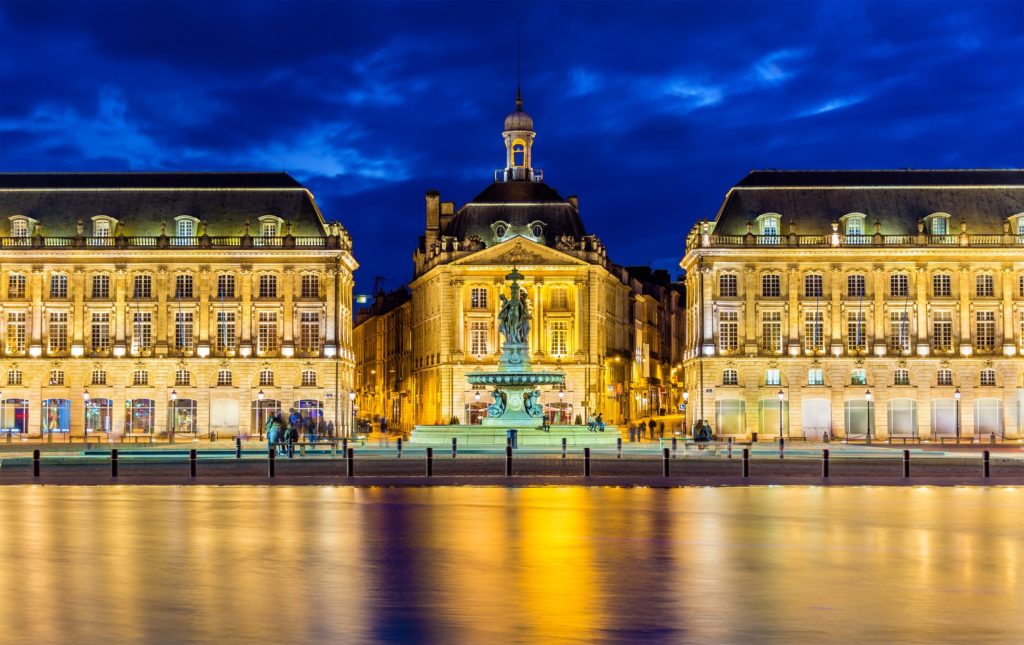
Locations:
(491, 436)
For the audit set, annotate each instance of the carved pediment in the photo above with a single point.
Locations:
(519, 252)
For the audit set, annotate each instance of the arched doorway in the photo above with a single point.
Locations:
(99, 415)
(768, 413)
(224, 416)
(988, 418)
(181, 417)
(138, 416)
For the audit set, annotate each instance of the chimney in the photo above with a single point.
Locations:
(433, 214)
(575, 201)
(447, 211)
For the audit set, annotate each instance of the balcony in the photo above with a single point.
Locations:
(330, 242)
(976, 240)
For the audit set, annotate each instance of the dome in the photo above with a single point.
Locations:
(518, 120)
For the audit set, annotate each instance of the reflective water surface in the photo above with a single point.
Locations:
(494, 565)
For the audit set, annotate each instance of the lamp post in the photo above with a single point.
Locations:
(782, 397)
(259, 412)
(85, 416)
(867, 397)
(561, 404)
(956, 397)
(686, 410)
(352, 422)
(174, 415)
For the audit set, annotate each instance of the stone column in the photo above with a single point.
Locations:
(836, 310)
(246, 322)
(792, 289)
(964, 311)
(204, 305)
(1007, 308)
(162, 281)
(922, 308)
(460, 322)
(36, 321)
(289, 308)
(750, 310)
(120, 312)
(878, 317)
(329, 277)
(78, 315)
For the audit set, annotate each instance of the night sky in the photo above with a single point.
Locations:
(648, 111)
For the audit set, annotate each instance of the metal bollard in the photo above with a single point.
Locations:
(586, 462)
(113, 462)
(729, 441)
(674, 442)
(344, 447)
(906, 463)
(35, 463)
(291, 450)
(564, 450)
(238, 447)
(193, 457)
(618, 448)
(508, 460)
(350, 458)
(782, 447)
(746, 462)
(430, 461)
(664, 462)
(455, 446)
(824, 462)
(398, 442)
(271, 458)
(985, 469)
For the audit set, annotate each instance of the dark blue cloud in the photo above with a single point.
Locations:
(649, 111)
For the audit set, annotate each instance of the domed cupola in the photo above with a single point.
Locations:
(519, 135)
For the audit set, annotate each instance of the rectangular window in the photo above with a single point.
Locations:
(559, 338)
(899, 285)
(985, 330)
(310, 285)
(183, 286)
(855, 286)
(899, 331)
(940, 226)
(226, 331)
(101, 286)
(99, 336)
(988, 377)
(856, 331)
(728, 331)
(225, 285)
(16, 331)
(58, 285)
(901, 377)
(858, 377)
(945, 377)
(183, 331)
(19, 228)
(815, 376)
(309, 332)
(223, 377)
(142, 286)
(268, 286)
(942, 285)
(771, 332)
(478, 298)
(728, 286)
(730, 377)
(770, 226)
(58, 333)
(985, 286)
(814, 331)
(99, 377)
(142, 331)
(16, 285)
(771, 285)
(855, 226)
(478, 332)
(185, 228)
(1020, 285)
(813, 286)
(140, 377)
(942, 331)
(559, 298)
(267, 333)
(772, 377)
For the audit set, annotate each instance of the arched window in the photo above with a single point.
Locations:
(101, 228)
(518, 153)
(16, 285)
(855, 285)
(942, 285)
(19, 227)
(310, 285)
(771, 227)
(266, 377)
(223, 377)
(308, 378)
(56, 377)
(984, 285)
(101, 286)
(854, 227)
(225, 285)
(899, 285)
(185, 227)
(771, 285)
(938, 223)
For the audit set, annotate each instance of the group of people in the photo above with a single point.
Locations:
(596, 423)
(702, 430)
(282, 434)
(640, 431)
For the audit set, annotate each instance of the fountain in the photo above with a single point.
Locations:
(515, 392)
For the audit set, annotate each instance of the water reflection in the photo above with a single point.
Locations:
(535, 565)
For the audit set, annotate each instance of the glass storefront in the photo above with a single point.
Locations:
(181, 417)
(99, 414)
(14, 416)
(138, 416)
(56, 415)
(729, 417)
(902, 418)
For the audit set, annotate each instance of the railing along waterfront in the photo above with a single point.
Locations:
(171, 242)
(877, 240)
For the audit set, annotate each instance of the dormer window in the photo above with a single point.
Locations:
(268, 229)
(938, 224)
(500, 229)
(185, 226)
(854, 225)
(537, 230)
(101, 228)
(770, 226)
(19, 227)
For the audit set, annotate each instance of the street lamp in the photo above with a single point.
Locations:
(85, 419)
(867, 397)
(956, 397)
(174, 415)
(259, 412)
(782, 397)
(686, 409)
(355, 409)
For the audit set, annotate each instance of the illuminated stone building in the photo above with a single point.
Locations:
(143, 303)
(901, 292)
(413, 359)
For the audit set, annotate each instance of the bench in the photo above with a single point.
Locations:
(135, 436)
(333, 445)
(904, 440)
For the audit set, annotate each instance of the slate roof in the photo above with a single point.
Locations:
(898, 199)
(517, 203)
(141, 201)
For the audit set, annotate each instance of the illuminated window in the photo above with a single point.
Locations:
(308, 378)
(945, 377)
(183, 286)
(984, 286)
(478, 332)
(56, 377)
(727, 285)
(940, 225)
(771, 285)
(309, 332)
(266, 339)
(988, 377)
(899, 285)
(14, 377)
(855, 286)
(184, 330)
(310, 285)
(856, 331)
(58, 332)
(730, 377)
(478, 298)
(223, 377)
(985, 330)
(225, 285)
(183, 378)
(728, 331)
(815, 376)
(942, 285)
(901, 377)
(1020, 282)
(98, 377)
(771, 332)
(58, 285)
(226, 331)
(773, 377)
(855, 226)
(518, 153)
(16, 332)
(813, 286)
(185, 227)
(266, 377)
(942, 331)
(500, 230)
(101, 228)
(858, 377)
(101, 286)
(559, 298)
(142, 286)
(16, 285)
(814, 331)
(268, 229)
(140, 377)
(559, 337)
(142, 331)
(899, 331)
(268, 286)
(770, 226)
(19, 228)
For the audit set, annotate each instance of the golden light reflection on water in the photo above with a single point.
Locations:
(534, 565)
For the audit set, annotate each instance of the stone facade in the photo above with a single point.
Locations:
(145, 302)
(905, 287)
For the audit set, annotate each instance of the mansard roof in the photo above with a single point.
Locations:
(140, 201)
(898, 199)
(518, 204)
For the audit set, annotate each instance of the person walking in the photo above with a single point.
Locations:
(652, 424)
(330, 429)
(311, 429)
